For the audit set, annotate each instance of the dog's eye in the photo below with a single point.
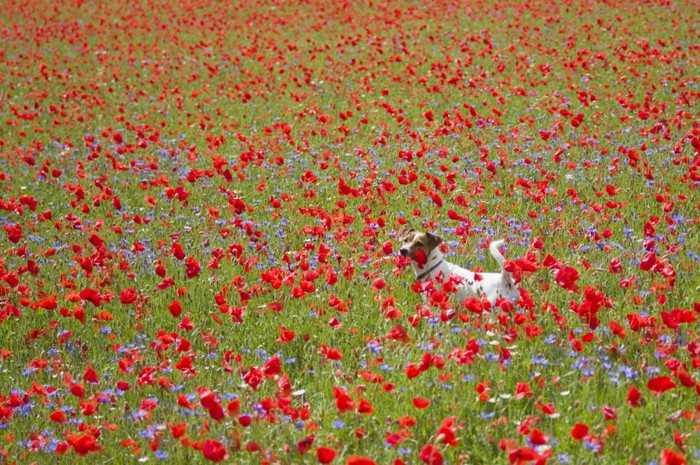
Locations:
(419, 244)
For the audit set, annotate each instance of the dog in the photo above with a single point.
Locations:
(491, 286)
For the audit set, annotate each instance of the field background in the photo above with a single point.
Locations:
(200, 201)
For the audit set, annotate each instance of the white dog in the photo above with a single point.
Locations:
(491, 286)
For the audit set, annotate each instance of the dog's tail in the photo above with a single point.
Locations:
(509, 289)
(493, 248)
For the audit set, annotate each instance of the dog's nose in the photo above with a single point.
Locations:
(403, 252)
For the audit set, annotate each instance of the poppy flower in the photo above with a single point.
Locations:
(84, 444)
(305, 444)
(209, 401)
(177, 251)
(178, 429)
(128, 296)
(78, 390)
(378, 284)
(92, 296)
(325, 454)
(579, 431)
(609, 413)
(192, 268)
(285, 335)
(343, 401)
(387, 248)
(233, 407)
(58, 416)
(431, 455)
(566, 277)
(522, 456)
(522, 390)
(359, 460)
(671, 457)
(538, 438)
(90, 375)
(253, 377)
(14, 232)
(412, 371)
(660, 384)
(365, 407)
(213, 450)
(421, 402)
(330, 353)
(446, 434)
(175, 308)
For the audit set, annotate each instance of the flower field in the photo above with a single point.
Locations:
(200, 203)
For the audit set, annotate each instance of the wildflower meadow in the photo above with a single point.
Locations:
(200, 201)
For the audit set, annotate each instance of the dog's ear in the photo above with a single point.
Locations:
(404, 233)
(433, 240)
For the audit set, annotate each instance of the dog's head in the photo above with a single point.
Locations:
(413, 241)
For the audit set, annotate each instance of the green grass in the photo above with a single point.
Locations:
(260, 85)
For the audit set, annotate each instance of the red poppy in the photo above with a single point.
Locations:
(325, 454)
(357, 460)
(566, 277)
(128, 296)
(522, 390)
(178, 429)
(671, 457)
(14, 232)
(538, 438)
(615, 265)
(253, 377)
(660, 384)
(78, 390)
(420, 402)
(175, 308)
(579, 431)
(343, 401)
(214, 450)
(85, 444)
(387, 248)
(305, 444)
(58, 416)
(378, 284)
(412, 371)
(90, 375)
(92, 296)
(685, 378)
(431, 455)
(272, 367)
(123, 386)
(609, 413)
(330, 352)
(209, 401)
(192, 268)
(522, 456)
(617, 329)
(447, 432)
(365, 407)
(421, 258)
(177, 251)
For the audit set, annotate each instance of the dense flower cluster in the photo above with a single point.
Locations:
(199, 203)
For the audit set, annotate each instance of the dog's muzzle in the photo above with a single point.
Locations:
(403, 252)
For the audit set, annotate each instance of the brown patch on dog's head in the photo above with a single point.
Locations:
(412, 241)
(403, 234)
